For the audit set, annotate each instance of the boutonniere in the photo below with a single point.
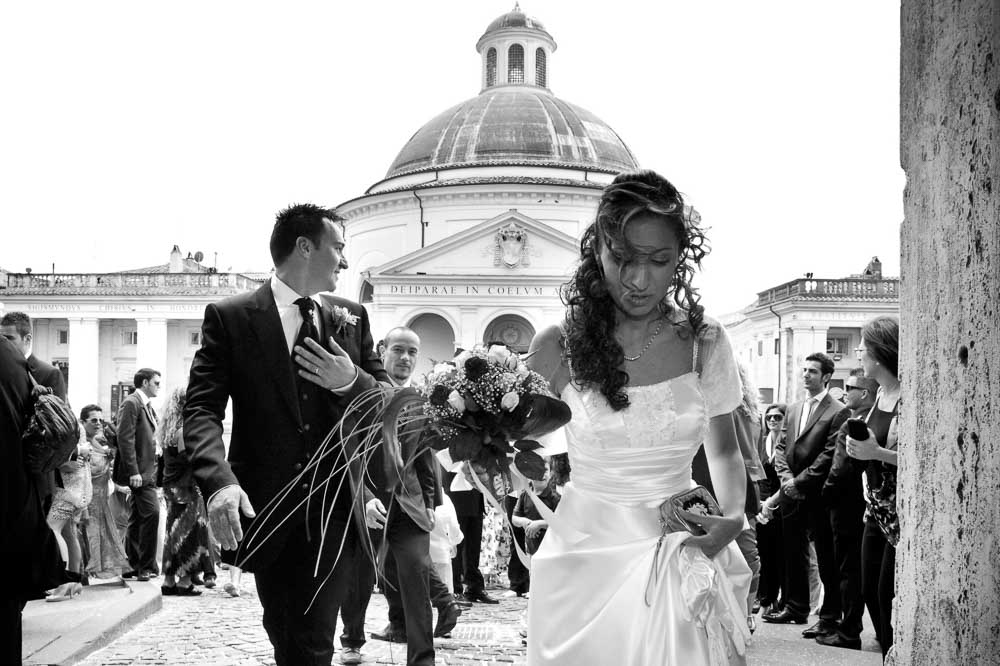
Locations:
(341, 318)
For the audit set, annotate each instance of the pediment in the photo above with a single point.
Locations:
(509, 244)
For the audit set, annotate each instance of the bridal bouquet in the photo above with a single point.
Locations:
(485, 407)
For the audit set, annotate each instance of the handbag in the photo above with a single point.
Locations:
(696, 500)
(53, 431)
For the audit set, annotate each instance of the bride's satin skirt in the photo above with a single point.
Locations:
(596, 597)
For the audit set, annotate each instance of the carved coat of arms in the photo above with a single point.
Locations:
(511, 246)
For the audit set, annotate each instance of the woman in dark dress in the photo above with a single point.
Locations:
(879, 354)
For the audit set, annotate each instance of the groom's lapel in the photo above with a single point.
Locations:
(266, 325)
(341, 334)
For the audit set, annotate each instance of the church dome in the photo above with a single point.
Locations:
(514, 125)
(514, 19)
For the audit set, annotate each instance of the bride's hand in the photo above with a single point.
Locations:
(720, 531)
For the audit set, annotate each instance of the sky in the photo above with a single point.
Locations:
(129, 127)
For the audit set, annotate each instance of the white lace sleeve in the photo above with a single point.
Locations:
(720, 378)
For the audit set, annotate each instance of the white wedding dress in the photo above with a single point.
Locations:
(596, 596)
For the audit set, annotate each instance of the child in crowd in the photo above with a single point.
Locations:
(444, 537)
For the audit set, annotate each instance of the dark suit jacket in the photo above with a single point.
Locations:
(28, 545)
(415, 490)
(771, 483)
(136, 443)
(807, 457)
(48, 375)
(244, 357)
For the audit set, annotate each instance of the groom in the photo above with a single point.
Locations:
(291, 359)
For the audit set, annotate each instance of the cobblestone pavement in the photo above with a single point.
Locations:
(218, 630)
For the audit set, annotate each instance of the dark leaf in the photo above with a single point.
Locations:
(530, 464)
(526, 445)
(547, 414)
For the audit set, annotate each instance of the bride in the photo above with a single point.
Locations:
(649, 378)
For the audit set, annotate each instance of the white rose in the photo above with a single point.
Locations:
(522, 371)
(456, 400)
(510, 400)
(462, 358)
(502, 356)
(443, 369)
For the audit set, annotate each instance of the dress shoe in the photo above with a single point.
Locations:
(481, 597)
(197, 580)
(462, 601)
(142, 577)
(755, 608)
(391, 634)
(447, 619)
(821, 628)
(129, 574)
(784, 616)
(350, 655)
(837, 640)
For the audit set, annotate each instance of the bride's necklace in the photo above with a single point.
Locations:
(659, 327)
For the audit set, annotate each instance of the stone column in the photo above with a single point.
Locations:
(151, 352)
(947, 608)
(84, 362)
(470, 328)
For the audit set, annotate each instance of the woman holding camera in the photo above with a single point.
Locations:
(879, 355)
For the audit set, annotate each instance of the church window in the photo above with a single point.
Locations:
(194, 338)
(540, 77)
(63, 336)
(515, 64)
(491, 67)
(130, 337)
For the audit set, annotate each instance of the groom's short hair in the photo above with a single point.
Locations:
(297, 220)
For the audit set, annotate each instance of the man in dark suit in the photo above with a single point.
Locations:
(411, 585)
(137, 469)
(28, 548)
(291, 359)
(16, 327)
(470, 509)
(844, 496)
(802, 460)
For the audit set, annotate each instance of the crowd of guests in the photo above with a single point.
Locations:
(830, 488)
(145, 494)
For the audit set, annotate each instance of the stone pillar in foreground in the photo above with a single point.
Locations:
(947, 608)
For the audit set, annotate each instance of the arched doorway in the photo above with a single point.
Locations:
(437, 341)
(513, 330)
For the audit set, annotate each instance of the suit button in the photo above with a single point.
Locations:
(305, 486)
(298, 466)
(305, 396)
(306, 426)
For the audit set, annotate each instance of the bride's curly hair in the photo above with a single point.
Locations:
(589, 344)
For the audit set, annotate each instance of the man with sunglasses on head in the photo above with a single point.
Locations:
(802, 460)
(843, 494)
(136, 468)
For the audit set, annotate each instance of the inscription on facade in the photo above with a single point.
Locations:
(469, 290)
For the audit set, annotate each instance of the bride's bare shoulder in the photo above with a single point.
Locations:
(546, 357)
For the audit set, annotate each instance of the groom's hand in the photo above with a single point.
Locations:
(224, 515)
(332, 369)
(375, 514)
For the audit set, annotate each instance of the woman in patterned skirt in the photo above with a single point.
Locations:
(186, 537)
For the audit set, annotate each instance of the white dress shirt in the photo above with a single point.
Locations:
(808, 407)
(291, 319)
